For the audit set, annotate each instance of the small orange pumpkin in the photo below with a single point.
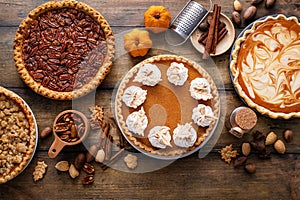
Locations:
(157, 19)
(137, 42)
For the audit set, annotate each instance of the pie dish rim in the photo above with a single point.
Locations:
(117, 108)
(234, 73)
(103, 70)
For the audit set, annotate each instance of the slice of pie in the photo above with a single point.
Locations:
(17, 135)
(163, 125)
(63, 49)
(265, 66)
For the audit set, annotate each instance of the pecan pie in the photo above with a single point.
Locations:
(168, 122)
(63, 50)
(17, 135)
(266, 66)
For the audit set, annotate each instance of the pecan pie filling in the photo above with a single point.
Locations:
(63, 49)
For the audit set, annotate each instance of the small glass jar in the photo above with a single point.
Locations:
(242, 120)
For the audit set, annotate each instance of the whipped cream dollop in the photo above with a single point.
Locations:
(137, 122)
(134, 96)
(160, 137)
(184, 135)
(203, 115)
(177, 73)
(148, 74)
(200, 89)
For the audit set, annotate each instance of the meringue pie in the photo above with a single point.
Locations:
(266, 66)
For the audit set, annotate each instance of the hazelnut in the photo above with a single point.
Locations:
(204, 26)
(250, 168)
(288, 135)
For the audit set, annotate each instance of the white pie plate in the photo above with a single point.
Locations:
(36, 132)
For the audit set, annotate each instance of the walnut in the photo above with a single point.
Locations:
(39, 170)
(131, 161)
(227, 153)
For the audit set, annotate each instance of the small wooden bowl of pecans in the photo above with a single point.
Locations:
(70, 128)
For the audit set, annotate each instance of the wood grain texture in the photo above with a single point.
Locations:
(186, 178)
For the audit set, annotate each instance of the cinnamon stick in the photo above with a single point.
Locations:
(222, 35)
(215, 39)
(211, 32)
(112, 159)
(222, 28)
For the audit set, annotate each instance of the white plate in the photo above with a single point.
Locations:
(224, 44)
(36, 132)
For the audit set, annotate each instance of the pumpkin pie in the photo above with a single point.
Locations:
(163, 124)
(17, 135)
(265, 66)
(63, 49)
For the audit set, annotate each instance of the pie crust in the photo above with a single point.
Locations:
(18, 135)
(103, 68)
(265, 66)
(166, 105)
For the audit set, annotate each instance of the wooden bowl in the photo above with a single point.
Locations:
(58, 143)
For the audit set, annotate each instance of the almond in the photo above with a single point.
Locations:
(271, 138)
(62, 166)
(246, 148)
(100, 156)
(279, 146)
(73, 171)
(237, 6)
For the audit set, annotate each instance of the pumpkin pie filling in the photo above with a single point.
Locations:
(266, 68)
(166, 105)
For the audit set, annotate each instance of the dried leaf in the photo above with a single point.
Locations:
(39, 170)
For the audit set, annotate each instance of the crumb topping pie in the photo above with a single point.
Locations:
(17, 135)
(162, 124)
(266, 66)
(63, 50)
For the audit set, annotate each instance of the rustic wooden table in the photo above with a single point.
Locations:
(186, 178)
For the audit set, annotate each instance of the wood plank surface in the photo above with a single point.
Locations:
(186, 178)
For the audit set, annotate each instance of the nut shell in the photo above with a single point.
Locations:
(62, 166)
(279, 146)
